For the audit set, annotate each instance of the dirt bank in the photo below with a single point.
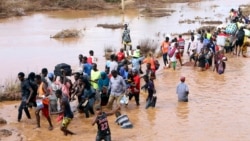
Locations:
(22, 7)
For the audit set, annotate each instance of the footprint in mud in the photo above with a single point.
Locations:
(5, 133)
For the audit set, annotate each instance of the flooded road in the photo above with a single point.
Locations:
(218, 104)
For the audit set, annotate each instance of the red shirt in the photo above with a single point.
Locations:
(137, 84)
(181, 43)
(223, 34)
(120, 56)
(89, 60)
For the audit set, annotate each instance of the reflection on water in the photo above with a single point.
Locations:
(182, 111)
(218, 107)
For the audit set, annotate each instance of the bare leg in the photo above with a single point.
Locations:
(236, 47)
(50, 124)
(240, 50)
(66, 131)
(38, 118)
(180, 61)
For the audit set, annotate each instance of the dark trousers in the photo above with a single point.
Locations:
(105, 138)
(137, 97)
(165, 58)
(23, 106)
(89, 107)
(149, 99)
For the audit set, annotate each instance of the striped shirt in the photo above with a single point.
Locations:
(123, 120)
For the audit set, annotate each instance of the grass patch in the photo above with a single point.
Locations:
(111, 26)
(11, 90)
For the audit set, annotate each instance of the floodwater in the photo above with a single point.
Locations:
(218, 104)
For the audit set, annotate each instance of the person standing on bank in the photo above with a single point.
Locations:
(126, 39)
(26, 95)
(182, 90)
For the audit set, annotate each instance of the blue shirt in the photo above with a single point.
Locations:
(87, 68)
(181, 91)
(123, 73)
(117, 85)
(136, 63)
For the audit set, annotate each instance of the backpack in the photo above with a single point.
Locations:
(240, 35)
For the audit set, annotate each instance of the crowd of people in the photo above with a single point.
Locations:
(121, 79)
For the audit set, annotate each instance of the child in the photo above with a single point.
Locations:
(91, 58)
(172, 54)
(103, 132)
(66, 111)
(123, 121)
(151, 99)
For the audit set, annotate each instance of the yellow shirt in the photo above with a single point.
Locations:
(95, 75)
(209, 35)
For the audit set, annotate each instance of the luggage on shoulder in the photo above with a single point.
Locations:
(60, 67)
(231, 28)
(221, 40)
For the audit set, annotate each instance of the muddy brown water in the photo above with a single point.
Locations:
(218, 107)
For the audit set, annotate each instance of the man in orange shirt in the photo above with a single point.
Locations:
(150, 60)
(164, 48)
(43, 96)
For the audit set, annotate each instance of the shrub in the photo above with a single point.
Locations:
(68, 33)
(148, 46)
(10, 91)
(108, 50)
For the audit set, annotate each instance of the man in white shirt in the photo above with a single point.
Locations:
(113, 65)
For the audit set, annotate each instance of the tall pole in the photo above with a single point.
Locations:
(123, 6)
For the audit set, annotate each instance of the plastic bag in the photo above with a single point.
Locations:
(124, 99)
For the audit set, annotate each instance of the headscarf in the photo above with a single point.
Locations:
(103, 82)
